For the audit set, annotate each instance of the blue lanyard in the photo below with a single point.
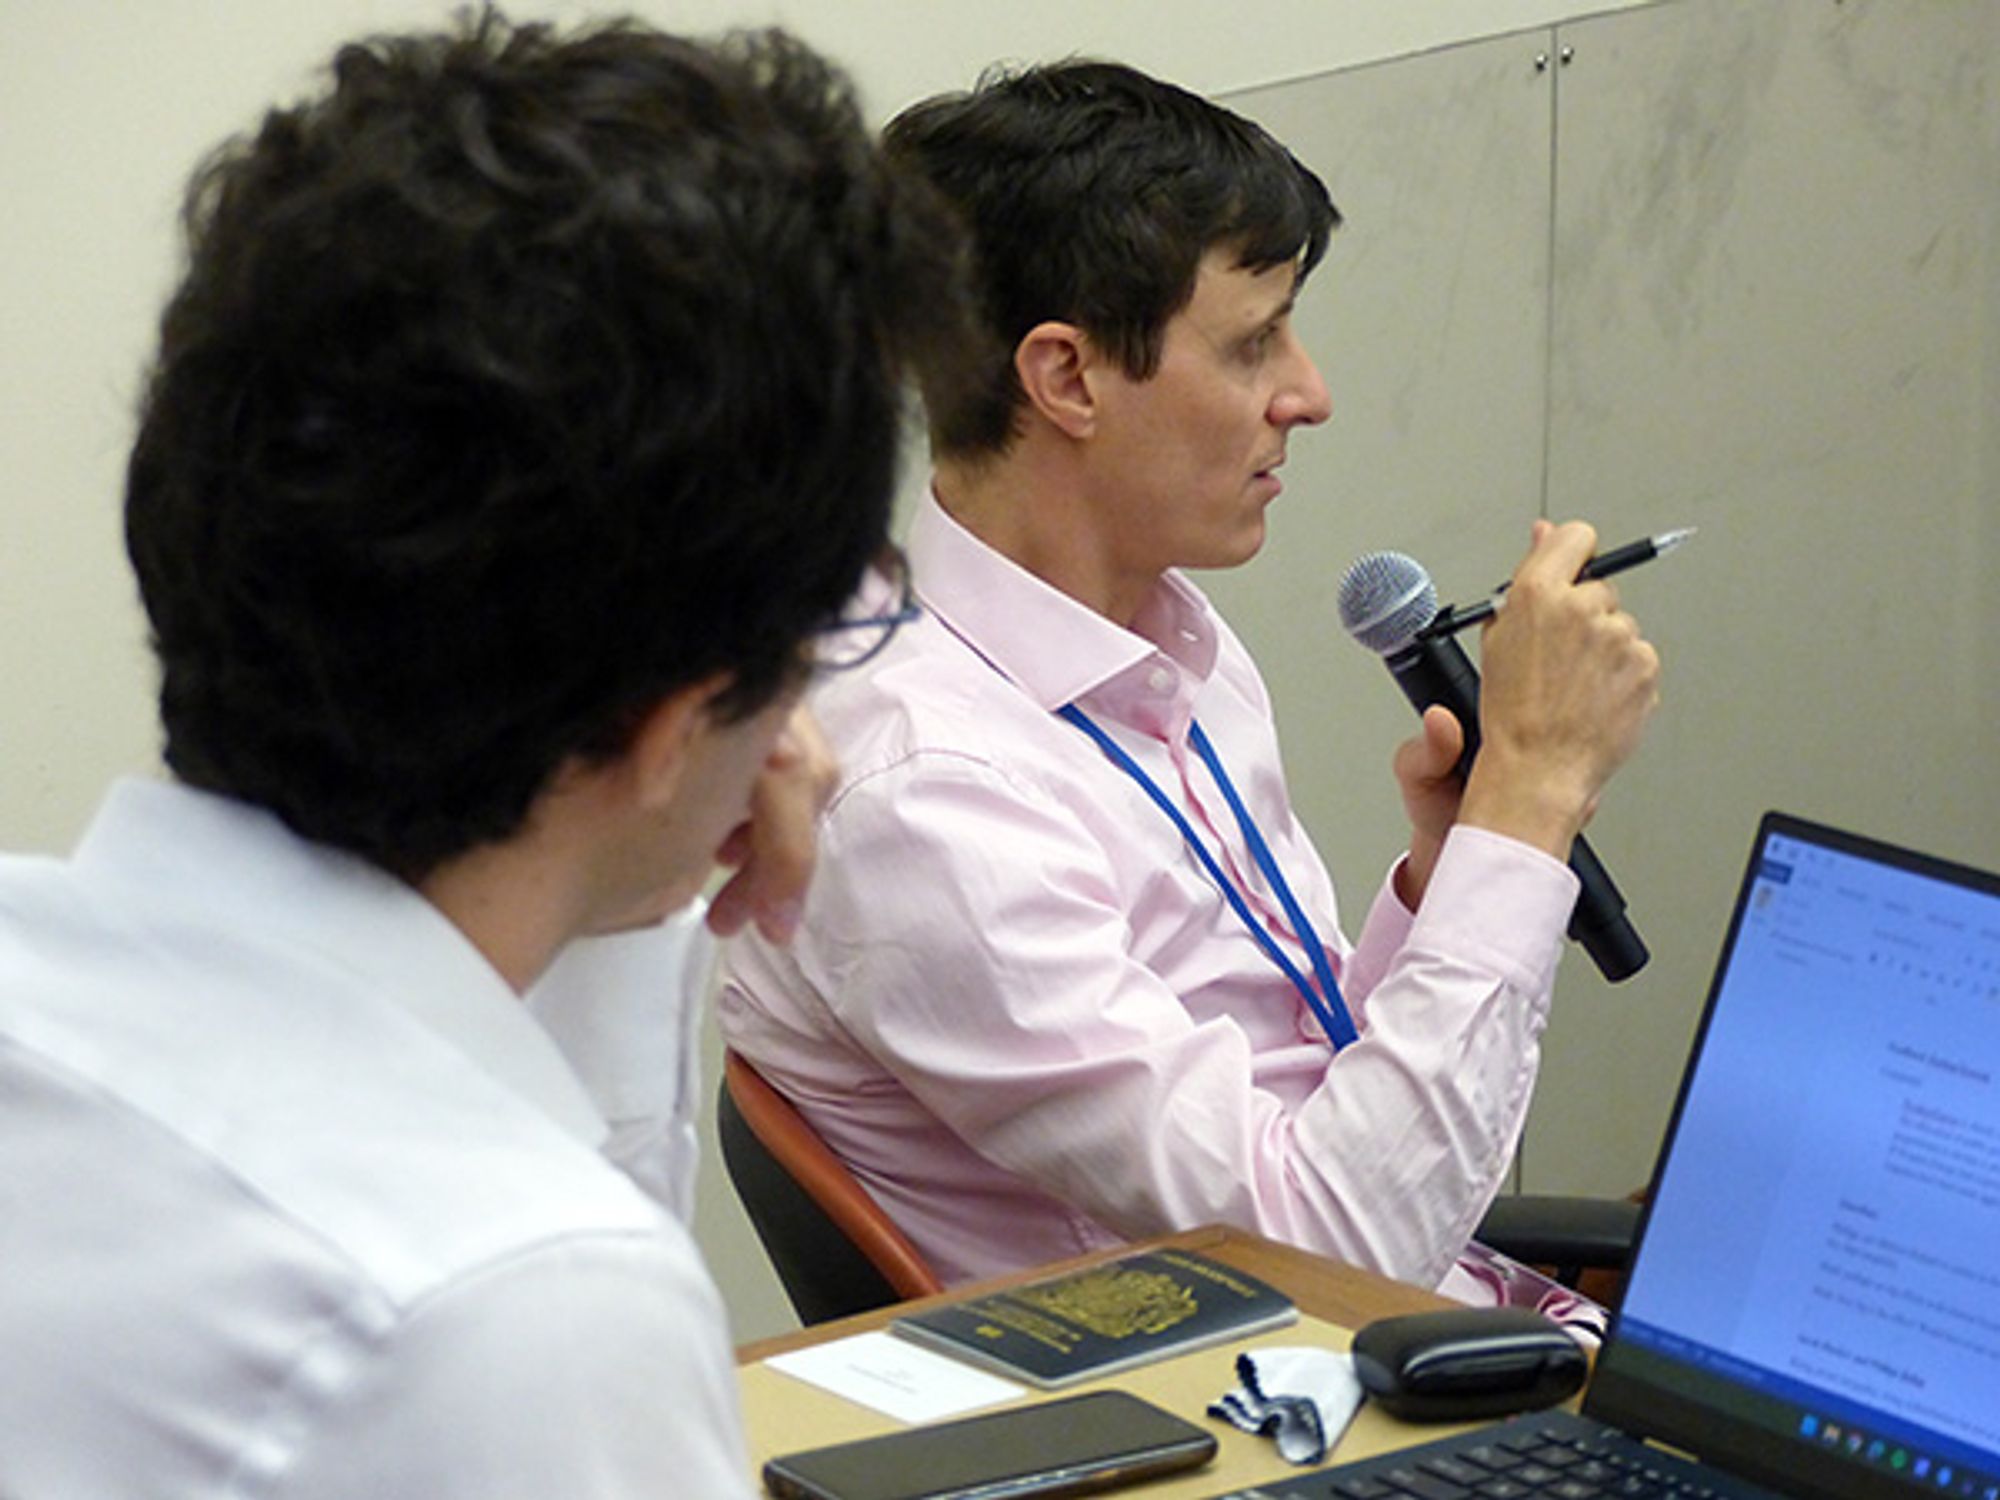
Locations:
(1325, 999)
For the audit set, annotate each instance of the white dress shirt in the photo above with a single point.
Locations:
(298, 1200)
(1024, 1014)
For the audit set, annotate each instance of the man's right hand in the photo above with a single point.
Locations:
(1567, 686)
(773, 851)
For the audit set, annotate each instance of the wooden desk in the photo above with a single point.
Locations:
(784, 1415)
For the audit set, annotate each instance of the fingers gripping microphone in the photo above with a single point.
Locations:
(1386, 599)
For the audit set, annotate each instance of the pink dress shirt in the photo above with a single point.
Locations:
(1025, 1016)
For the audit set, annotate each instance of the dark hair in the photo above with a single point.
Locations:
(1091, 193)
(517, 382)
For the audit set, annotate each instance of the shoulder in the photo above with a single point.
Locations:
(932, 711)
(43, 911)
(621, 1281)
(340, 1115)
(590, 1364)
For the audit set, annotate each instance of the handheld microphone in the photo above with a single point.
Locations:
(1386, 602)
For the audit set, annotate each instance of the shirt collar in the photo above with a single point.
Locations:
(227, 864)
(1052, 647)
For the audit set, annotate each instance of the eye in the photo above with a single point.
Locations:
(1269, 338)
(1259, 345)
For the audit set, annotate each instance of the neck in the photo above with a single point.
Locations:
(521, 900)
(1033, 509)
(516, 929)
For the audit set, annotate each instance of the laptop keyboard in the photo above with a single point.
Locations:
(1534, 1458)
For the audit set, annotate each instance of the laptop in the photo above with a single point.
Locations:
(1813, 1307)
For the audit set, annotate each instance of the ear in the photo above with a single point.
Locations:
(1053, 362)
(657, 756)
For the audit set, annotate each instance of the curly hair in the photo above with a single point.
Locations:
(515, 383)
(1091, 193)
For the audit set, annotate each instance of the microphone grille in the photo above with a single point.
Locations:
(1385, 599)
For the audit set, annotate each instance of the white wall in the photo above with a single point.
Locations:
(104, 107)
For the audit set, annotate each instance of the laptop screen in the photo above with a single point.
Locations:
(1816, 1299)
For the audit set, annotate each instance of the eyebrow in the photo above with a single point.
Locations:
(1273, 318)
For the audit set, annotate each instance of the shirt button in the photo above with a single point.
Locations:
(1161, 679)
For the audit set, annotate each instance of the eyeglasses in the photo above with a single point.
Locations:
(843, 644)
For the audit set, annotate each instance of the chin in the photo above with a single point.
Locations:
(1248, 544)
(650, 912)
(1220, 548)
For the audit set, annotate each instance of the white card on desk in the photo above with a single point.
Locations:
(895, 1377)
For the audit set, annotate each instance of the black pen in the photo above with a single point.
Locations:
(1451, 619)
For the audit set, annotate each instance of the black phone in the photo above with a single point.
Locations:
(1069, 1446)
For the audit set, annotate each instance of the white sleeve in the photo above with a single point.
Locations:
(626, 1010)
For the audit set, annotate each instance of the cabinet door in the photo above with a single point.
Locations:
(1776, 315)
(1712, 262)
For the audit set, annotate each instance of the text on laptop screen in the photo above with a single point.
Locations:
(1825, 1236)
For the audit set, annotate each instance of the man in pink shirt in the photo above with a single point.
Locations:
(1071, 971)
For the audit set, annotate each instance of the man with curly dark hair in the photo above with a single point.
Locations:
(524, 421)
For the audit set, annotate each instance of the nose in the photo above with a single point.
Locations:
(1301, 399)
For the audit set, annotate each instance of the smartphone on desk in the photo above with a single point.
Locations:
(1070, 1446)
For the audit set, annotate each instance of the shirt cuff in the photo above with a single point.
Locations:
(1381, 938)
(1501, 901)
